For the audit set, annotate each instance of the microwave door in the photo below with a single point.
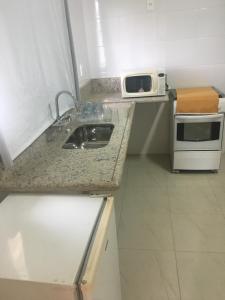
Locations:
(202, 132)
(138, 84)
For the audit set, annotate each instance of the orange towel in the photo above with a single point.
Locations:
(197, 100)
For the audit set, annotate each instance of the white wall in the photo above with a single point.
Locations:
(35, 65)
(79, 36)
(150, 129)
(185, 37)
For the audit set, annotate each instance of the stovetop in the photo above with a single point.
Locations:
(221, 108)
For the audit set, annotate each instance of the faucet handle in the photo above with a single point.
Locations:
(62, 121)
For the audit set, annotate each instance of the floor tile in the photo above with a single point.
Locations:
(118, 199)
(147, 171)
(217, 180)
(201, 275)
(199, 232)
(148, 275)
(219, 192)
(158, 162)
(146, 178)
(145, 231)
(195, 200)
(145, 199)
(188, 179)
(2, 196)
(119, 194)
(160, 209)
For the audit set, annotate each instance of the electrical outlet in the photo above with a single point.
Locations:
(150, 4)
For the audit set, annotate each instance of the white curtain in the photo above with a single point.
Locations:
(35, 64)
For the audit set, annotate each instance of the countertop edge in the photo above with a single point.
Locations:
(117, 176)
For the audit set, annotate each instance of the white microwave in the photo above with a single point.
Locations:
(145, 84)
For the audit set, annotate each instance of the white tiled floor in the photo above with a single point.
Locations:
(2, 196)
(171, 232)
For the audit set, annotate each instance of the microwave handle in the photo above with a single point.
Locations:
(198, 118)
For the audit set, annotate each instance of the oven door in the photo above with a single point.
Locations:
(198, 132)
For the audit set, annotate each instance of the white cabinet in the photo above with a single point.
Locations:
(58, 248)
(103, 281)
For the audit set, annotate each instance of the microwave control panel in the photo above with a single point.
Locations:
(161, 84)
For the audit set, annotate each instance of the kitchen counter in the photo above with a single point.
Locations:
(47, 167)
(117, 97)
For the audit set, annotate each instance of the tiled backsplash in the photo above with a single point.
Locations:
(100, 86)
(106, 85)
(184, 37)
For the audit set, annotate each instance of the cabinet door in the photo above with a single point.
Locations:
(101, 280)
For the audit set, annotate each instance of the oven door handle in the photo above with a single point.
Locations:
(202, 118)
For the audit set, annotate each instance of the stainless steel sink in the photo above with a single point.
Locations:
(90, 136)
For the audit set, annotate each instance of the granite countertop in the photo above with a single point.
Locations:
(47, 167)
(109, 90)
(115, 97)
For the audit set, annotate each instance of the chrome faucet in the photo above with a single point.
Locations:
(76, 104)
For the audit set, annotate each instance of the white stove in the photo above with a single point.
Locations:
(197, 139)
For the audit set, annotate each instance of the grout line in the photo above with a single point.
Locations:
(120, 213)
(201, 252)
(144, 250)
(219, 206)
(123, 191)
(169, 251)
(187, 213)
(174, 244)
